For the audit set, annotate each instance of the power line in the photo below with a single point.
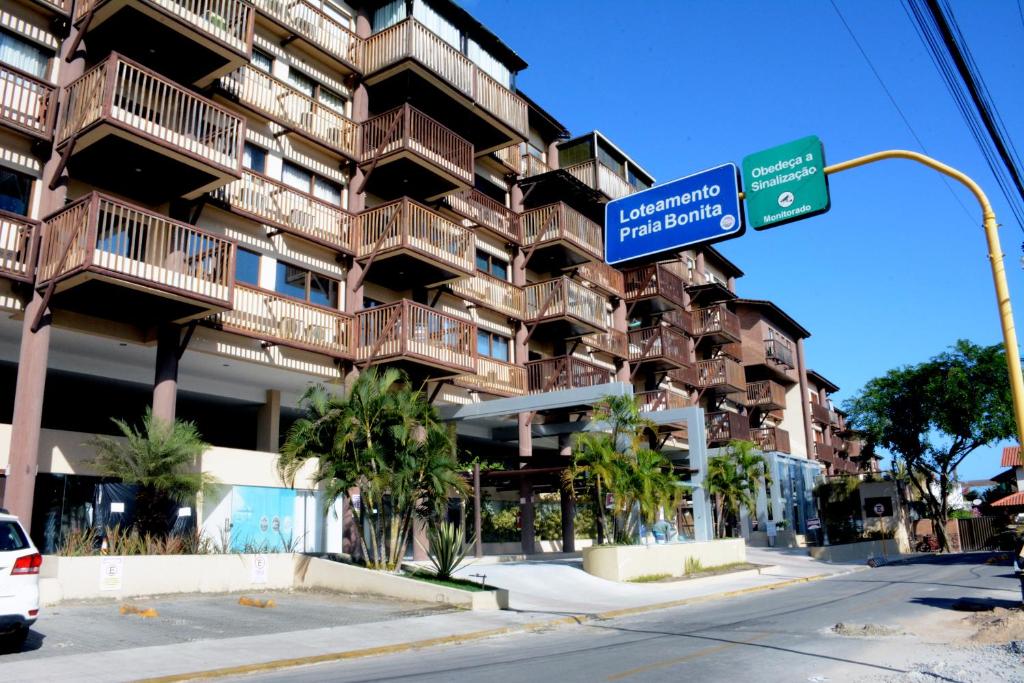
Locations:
(896, 106)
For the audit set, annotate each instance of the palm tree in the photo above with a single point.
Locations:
(731, 486)
(384, 440)
(161, 459)
(595, 461)
(645, 482)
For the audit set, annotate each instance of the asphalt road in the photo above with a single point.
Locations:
(781, 635)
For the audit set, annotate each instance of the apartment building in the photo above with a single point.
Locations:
(208, 205)
(835, 445)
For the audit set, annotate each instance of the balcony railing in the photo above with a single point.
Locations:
(564, 372)
(721, 373)
(854, 448)
(532, 166)
(825, 452)
(281, 320)
(597, 176)
(62, 6)
(716, 321)
(292, 109)
(407, 330)
(297, 212)
(509, 156)
(779, 351)
(111, 237)
(766, 394)
(771, 439)
(485, 212)
(562, 298)
(317, 28)
(660, 399)
(132, 97)
(819, 413)
(407, 225)
(490, 292)
(558, 222)
(494, 377)
(601, 275)
(409, 39)
(653, 281)
(679, 318)
(659, 344)
(26, 103)
(724, 427)
(612, 342)
(837, 421)
(16, 244)
(405, 129)
(685, 376)
(229, 22)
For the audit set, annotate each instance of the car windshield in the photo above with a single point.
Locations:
(11, 537)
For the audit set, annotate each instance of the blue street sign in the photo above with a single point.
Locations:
(698, 209)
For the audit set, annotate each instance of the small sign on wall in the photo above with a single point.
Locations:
(878, 507)
(111, 573)
(259, 569)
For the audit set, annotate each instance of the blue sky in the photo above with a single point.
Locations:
(896, 271)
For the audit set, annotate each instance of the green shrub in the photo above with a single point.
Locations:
(447, 549)
(693, 565)
(650, 578)
(960, 514)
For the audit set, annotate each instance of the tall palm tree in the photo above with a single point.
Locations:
(726, 480)
(646, 483)
(383, 439)
(595, 462)
(161, 459)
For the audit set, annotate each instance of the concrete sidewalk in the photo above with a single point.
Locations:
(545, 595)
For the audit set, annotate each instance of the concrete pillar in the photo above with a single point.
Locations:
(478, 527)
(268, 423)
(420, 543)
(565, 498)
(527, 535)
(621, 324)
(165, 380)
(805, 408)
(553, 155)
(697, 441)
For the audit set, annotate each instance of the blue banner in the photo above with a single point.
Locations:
(261, 519)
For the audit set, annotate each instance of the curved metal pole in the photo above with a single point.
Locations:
(995, 257)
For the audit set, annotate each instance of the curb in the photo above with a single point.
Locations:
(395, 648)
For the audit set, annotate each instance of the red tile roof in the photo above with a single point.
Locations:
(1011, 457)
(1010, 500)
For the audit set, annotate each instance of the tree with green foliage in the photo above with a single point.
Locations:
(384, 440)
(162, 460)
(934, 414)
(644, 481)
(732, 478)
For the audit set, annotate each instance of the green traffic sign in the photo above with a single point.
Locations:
(785, 183)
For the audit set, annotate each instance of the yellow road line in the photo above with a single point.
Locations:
(654, 666)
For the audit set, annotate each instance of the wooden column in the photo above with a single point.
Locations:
(165, 380)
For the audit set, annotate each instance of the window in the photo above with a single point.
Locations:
(299, 283)
(301, 81)
(306, 181)
(326, 190)
(492, 265)
(337, 13)
(254, 158)
(21, 54)
(331, 100)
(493, 345)
(371, 303)
(15, 189)
(11, 537)
(262, 61)
(247, 267)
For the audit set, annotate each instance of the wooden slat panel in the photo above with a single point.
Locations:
(25, 101)
(564, 372)
(411, 129)
(490, 292)
(556, 222)
(410, 329)
(226, 21)
(485, 212)
(565, 297)
(316, 27)
(415, 227)
(494, 377)
(16, 246)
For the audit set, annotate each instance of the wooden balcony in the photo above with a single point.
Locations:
(724, 427)
(300, 23)
(600, 275)
(408, 57)
(509, 157)
(405, 150)
(771, 439)
(565, 308)
(292, 110)
(721, 375)
(836, 421)
(124, 126)
(556, 236)
(779, 351)
(819, 413)
(659, 347)
(189, 41)
(419, 246)
(486, 213)
(597, 176)
(854, 448)
(490, 292)
(681, 319)
(825, 453)
(716, 324)
(766, 395)
(531, 166)
(61, 7)
(17, 260)
(115, 260)
(267, 201)
(494, 377)
(663, 399)
(282, 321)
(564, 372)
(685, 377)
(612, 342)
(27, 104)
(417, 338)
(653, 289)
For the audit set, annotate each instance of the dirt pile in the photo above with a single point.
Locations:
(865, 630)
(999, 626)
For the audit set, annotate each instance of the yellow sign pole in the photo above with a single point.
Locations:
(995, 257)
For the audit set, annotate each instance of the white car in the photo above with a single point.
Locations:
(19, 580)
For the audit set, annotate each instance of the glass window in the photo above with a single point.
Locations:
(326, 190)
(499, 269)
(291, 280)
(492, 345)
(15, 189)
(331, 100)
(21, 54)
(300, 283)
(483, 343)
(483, 260)
(262, 61)
(247, 267)
(296, 177)
(254, 158)
(371, 303)
(301, 81)
(11, 537)
(323, 290)
(388, 15)
(338, 14)
(492, 265)
(499, 348)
